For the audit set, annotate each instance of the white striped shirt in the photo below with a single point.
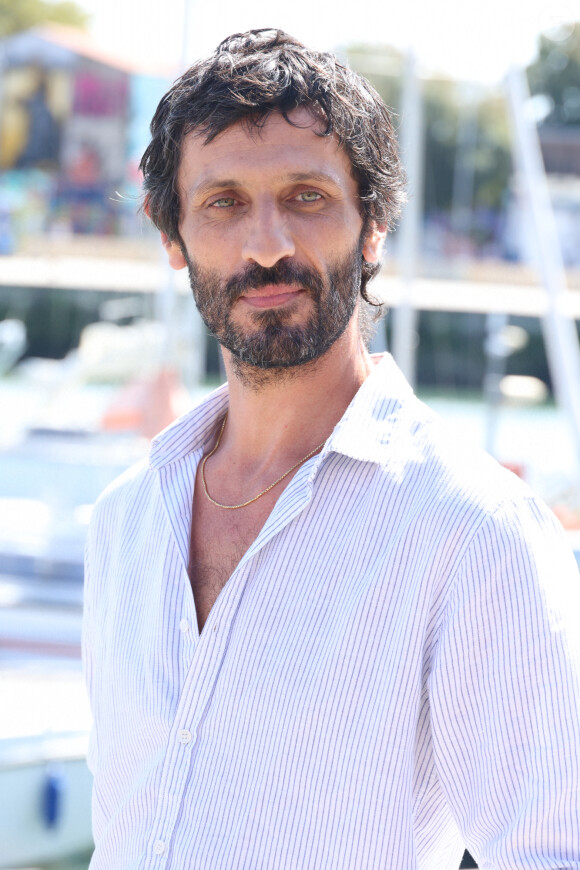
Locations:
(388, 674)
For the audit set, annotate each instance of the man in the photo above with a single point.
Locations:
(319, 633)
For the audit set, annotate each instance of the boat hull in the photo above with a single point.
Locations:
(45, 796)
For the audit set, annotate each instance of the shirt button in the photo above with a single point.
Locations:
(159, 847)
(184, 626)
(184, 737)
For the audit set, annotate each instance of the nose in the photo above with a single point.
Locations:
(268, 238)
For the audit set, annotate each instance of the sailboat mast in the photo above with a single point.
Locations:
(405, 315)
(560, 335)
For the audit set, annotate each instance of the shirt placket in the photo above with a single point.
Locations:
(207, 659)
(196, 694)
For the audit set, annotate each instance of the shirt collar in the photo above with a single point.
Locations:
(189, 432)
(379, 415)
(375, 419)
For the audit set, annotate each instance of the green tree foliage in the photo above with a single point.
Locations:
(445, 110)
(470, 128)
(17, 15)
(493, 160)
(441, 124)
(555, 73)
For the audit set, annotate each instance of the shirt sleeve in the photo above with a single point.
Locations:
(504, 693)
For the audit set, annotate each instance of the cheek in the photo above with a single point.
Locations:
(330, 235)
(214, 245)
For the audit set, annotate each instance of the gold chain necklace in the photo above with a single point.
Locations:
(234, 507)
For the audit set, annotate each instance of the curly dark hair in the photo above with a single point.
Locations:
(249, 76)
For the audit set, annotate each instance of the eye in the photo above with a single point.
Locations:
(309, 196)
(223, 202)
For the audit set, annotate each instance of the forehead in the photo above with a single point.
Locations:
(268, 154)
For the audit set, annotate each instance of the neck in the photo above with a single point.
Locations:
(289, 411)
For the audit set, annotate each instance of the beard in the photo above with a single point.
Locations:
(273, 340)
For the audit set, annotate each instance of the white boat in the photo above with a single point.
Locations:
(45, 784)
(12, 343)
(45, 792)
(49, 482)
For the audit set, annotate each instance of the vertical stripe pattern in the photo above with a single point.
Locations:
(390, 673)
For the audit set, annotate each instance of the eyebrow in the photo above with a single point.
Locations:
(211, 184)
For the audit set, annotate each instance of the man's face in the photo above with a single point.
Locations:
(271, 233)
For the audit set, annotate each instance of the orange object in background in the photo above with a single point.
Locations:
(516, 467)
(569, 517)
(147, 405)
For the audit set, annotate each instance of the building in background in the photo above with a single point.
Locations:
(73, 123)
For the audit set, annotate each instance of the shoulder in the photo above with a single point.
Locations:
(114, 519)
(172, 447)
(442, 470)
(452, 485)
(119, 495)
(522, 539)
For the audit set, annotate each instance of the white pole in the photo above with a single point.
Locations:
(185, 336)
(464, 169)
(186, 34)
(560, 336)
(405, 315)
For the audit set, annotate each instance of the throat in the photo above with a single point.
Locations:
(219, 540)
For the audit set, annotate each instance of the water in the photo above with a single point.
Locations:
(80, 862)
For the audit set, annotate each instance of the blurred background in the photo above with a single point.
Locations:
(101, 346)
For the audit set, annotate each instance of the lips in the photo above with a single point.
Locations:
(271, 296)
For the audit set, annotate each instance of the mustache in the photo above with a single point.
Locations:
(255, 276)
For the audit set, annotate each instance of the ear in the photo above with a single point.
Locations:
(373, 244)
(174, 253)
